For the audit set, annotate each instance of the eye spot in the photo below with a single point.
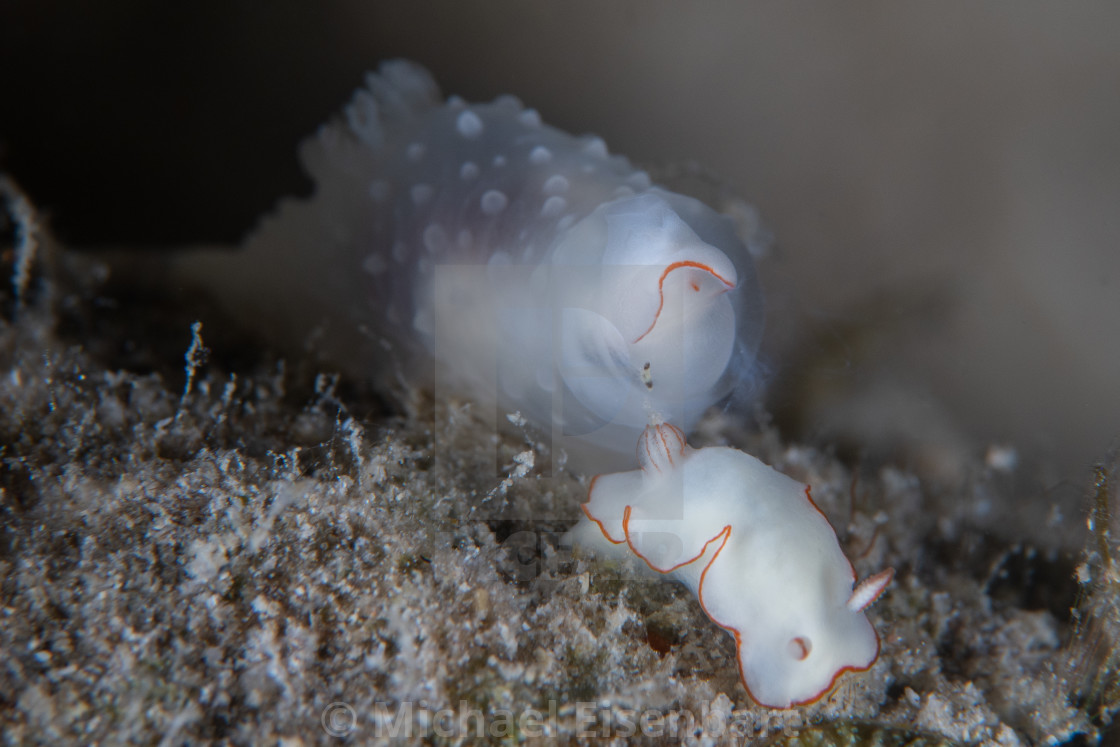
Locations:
(799, 648)
(695, 286)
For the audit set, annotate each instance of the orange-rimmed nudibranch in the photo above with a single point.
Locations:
(532, 269)
(760, 556)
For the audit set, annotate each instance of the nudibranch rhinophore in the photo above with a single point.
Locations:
(757, 552)
(540, 272)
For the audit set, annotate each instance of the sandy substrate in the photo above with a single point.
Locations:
(227, 546)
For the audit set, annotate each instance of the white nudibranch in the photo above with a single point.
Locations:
(541, 273)
(760, 556)
(545, 276)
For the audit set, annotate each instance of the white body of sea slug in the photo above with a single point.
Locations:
(754, 548)
(539, 272)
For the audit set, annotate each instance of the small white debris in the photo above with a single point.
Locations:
(1001, 458)
(194, 358)
(523, 463)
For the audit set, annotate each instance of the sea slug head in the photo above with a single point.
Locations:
(798, 656)
(664, 319)
(781, 584)
(803, 624)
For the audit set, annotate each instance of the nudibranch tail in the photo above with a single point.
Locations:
(759, 555)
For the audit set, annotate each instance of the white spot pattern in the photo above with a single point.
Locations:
(469, 125)
(490, 184)
(555, 185)
(540, 155)
(554, 207)
(493, 202)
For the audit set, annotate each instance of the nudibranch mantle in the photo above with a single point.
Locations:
(540, 272)
(760, 556)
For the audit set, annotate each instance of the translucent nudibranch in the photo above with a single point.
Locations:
(538, 270)
(757, 552)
